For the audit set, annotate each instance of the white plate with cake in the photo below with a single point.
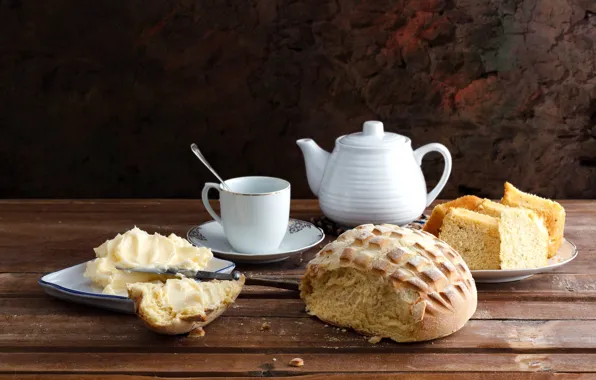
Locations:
(510, 240)
(566, 253)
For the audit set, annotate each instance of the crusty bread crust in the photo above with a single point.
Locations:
(426, 282)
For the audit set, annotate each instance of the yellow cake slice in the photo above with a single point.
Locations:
(552, 213)
(524, 239)
(488, 207)
(475, 236)
(435, 221)
(516, 239)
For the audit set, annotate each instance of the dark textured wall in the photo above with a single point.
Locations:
(102, 98)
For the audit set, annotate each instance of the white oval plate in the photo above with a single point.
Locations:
(566, 253)
(71, 285)
(301, 235)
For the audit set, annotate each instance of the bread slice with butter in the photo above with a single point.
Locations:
(182, 305)
(137, 248)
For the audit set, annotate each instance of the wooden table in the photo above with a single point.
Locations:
(521, 329)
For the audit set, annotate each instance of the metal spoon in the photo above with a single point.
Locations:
(197, 152)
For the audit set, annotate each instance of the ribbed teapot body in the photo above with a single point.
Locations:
(372, 185)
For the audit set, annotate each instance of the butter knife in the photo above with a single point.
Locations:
(279, 283)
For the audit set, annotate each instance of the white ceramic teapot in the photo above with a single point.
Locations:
(371, 177)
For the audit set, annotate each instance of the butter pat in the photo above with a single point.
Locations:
(181, 305)
(136, 248)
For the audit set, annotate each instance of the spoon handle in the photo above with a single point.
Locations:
(197, 152)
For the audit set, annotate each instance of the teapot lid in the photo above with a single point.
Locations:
(373, 135)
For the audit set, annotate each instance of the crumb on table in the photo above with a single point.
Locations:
(296, 362)
(266, 326)
(197, 333)
(374, 339)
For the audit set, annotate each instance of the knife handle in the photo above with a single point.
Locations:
(274, 283)
(235, 275)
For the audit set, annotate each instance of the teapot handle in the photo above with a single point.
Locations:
(435, 147)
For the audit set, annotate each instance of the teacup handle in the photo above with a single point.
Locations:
(205, 198)
(435, 147)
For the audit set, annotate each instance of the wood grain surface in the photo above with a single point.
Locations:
(538, 328)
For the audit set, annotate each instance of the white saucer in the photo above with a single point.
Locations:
(71, 285)
(300, 236)
(566, 253)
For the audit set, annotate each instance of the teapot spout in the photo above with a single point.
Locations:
(315, 159)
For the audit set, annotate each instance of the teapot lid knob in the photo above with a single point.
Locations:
(373, 128)
(373, 135)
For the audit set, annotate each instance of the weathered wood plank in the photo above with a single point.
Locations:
(547, 283)
(551, 286)
(19, 285)
(192, 364)
(488, 308)
(327, 376)
(79, 327)
(534, 310)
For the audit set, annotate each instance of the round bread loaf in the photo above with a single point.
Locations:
(391, 282)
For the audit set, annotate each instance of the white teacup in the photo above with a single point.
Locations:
(255, 214)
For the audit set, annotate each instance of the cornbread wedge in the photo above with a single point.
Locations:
(474, 236)
(435, 221)
(552, 213)
(516, 238)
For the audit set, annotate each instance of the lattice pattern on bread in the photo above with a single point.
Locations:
(408, 259)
